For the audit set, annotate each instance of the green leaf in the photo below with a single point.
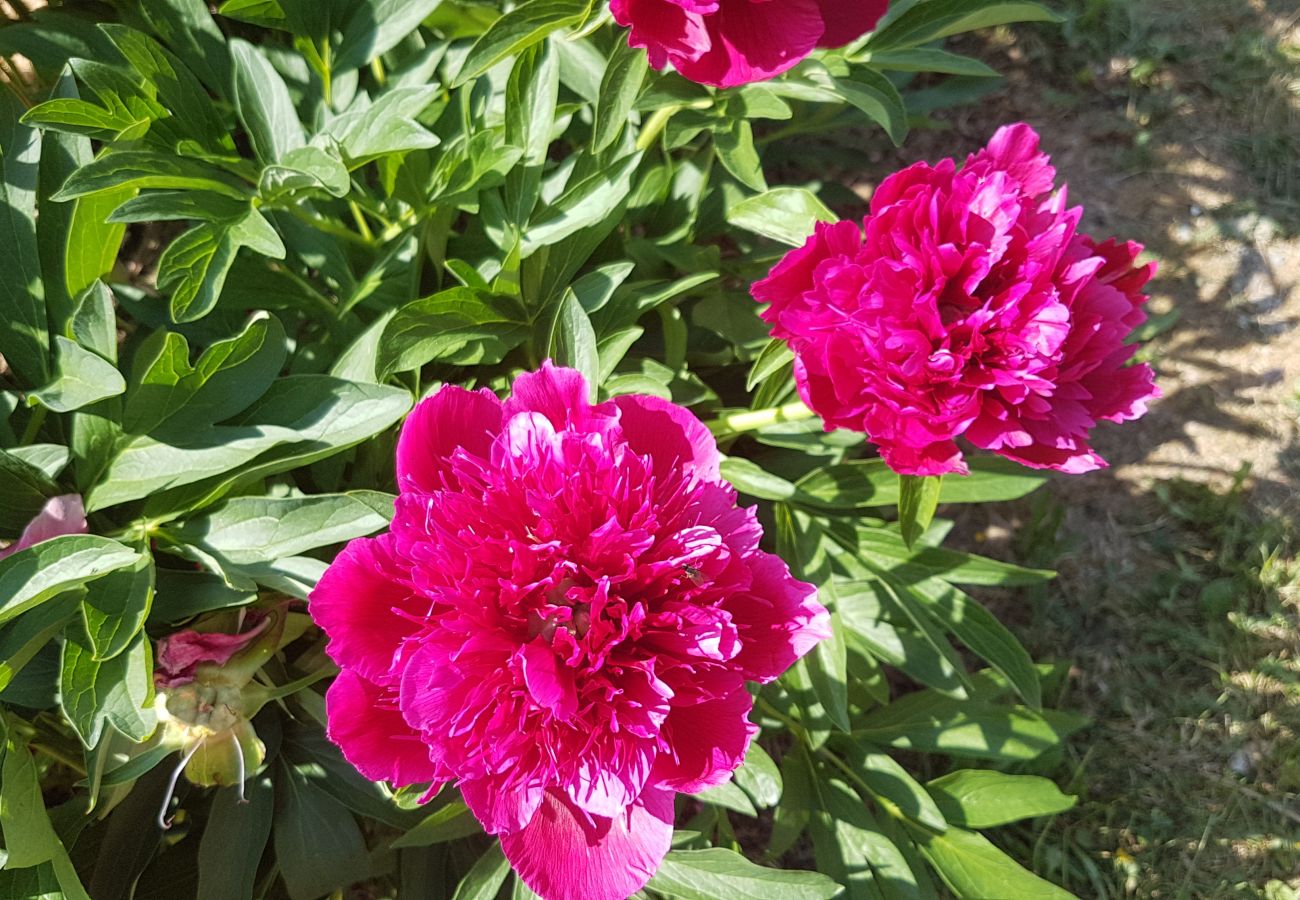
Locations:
(188, 27)
(851, 846)
(118, 691)
(929, 59)
(263, 104)
(785, 214)
(885, 550)
(749, 478)
(885, 634)
(25, 489)
(875, 95)
(460, 326)
(115, 608)
(250, 530)
(484, 880)
(983, 798)
(967, 620)
(918, 498)
(93, 240)
(531, 97)
(192, 110)
(972, 867)
(518, 30)
(450, 823)
(619, 87)
(49, 459)
(167, 206)
(885, 778)
(934, 19)
(82, 378)
(971, 730)
(140, 169)
(32, 576)
(869, 483)
(306, 168)
(171, 397)
(183, 595)
(710, 874)
(759, 778)
(318, 845)
(573, 342)
(774, 358)
(592, 201)
(377, 26)
(24, 331)
(22, 640)
(738, 155)
(61, 154)
(195, 265)
(234, 840)
(386, 126)
(29, 838)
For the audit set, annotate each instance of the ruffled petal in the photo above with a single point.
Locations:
(565, 854)
(779, 620)
(451, 419)
(360, 605)
(500, 811)
(669, 434)
(367, 726)
(754, 41)
(708, 742)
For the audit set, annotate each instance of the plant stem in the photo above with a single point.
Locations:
(753, 420)
(654, 126)
(34, 425)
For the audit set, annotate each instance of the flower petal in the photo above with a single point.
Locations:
(708, 743)
(60, 515)
(359, 604)
(451, 419)
(367, 726)
(670, 435)
(565, 854)
(848, 20)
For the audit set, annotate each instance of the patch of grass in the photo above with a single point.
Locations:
(1230, 71)
(1187, 655)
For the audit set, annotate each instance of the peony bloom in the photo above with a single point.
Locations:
(60, 515)
(970, 307)
(561, 621)
(731, 42)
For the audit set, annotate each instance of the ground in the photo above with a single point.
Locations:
(1176, 123)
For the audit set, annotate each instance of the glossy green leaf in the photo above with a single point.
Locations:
(141, 169)
(484, 880)
(785, 214)
(249, 530)
(887, 779)
(29, 837)
(115, 608)
(318, 845)
(869, 483)
(934, 19)
(450, 823)
(973, 867)
(118, 691)
(619, 86)
(929, 59)
(851, 846)
(739, 155)
(24, 335)
(984, 798)
(710, 874)
(518, 30)
(749, 478)
(573, 342)
(25, 488)
(81, 378)
(234, 840)
(263, 103)
(972, 730)
(918, 498)
(376, 26)
(21, 640)
(32, 576)
(462, 326)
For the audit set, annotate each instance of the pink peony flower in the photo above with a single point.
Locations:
(562, 621)
(731, 42)
(181, 654)
(60, 515)
(971, 307)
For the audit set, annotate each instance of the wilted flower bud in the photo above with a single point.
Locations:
(207, 697)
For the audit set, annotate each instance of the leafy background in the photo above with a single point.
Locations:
(247, 242)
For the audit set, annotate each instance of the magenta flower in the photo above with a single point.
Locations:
(61, 515)
(971, 307)
(561, 622)
(731, 42)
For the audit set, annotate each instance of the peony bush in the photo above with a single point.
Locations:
(403, 495)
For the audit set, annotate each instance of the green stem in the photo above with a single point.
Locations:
(655, 125)
(360, 219)
(326, 74)
(753, 420)
(320, 223)
(34, 425)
